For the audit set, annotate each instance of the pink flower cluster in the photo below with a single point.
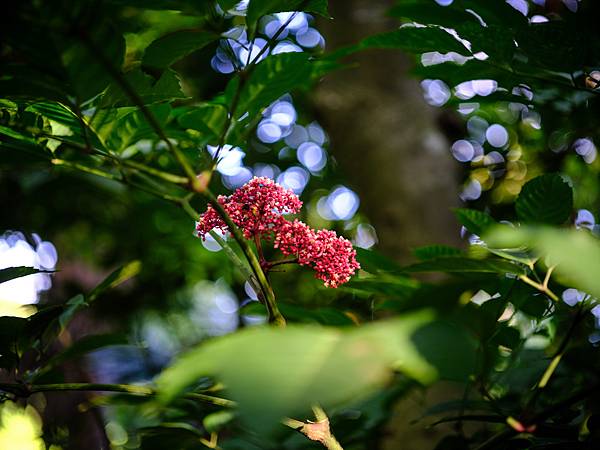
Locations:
(258, 208)
(331, 256)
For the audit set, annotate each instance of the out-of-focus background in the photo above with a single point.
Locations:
(373, 153)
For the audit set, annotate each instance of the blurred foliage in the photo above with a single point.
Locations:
(105, 107)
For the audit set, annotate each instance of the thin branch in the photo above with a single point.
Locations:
(319, 430)
(540, 287)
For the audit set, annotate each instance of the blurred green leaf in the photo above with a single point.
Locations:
(457, 264)
(217, 420)
(547, 199)
(168, 49)
(116, 278)
(576, 254)
(284, 371)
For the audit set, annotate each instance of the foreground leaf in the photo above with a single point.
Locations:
(576, 254)
(274, 372)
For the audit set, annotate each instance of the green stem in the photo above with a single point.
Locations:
(275, 316)
(22, 390)
(540, 287)
(319, 430)
(91, 170)
(166, 176)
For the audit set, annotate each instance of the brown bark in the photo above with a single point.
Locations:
(384, 136)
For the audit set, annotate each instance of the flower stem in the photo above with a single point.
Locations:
(275, 316)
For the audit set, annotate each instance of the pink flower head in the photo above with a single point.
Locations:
(257, 208)
(298, 239)
(330, 255)
(336, 261)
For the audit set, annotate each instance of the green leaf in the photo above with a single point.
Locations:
(168, 49)
(284, 371)
(275, 76)
(576, 254)
(416, 40)
(259, 8)
(457, 264)
(477, 222)
(447, 348)
(209, 119)
(215, 421)
(116, 278)
(547, 199)
(373, 261)
(436, 251)
(149, 90)
(10, 273)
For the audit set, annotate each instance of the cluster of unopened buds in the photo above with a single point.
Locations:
(258, 209)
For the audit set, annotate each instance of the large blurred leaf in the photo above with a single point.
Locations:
(576, 254)
(259, 8)
(416, 40)
(168, 49)
(547, 199)
(273, 372)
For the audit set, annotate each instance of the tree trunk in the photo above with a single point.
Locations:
(386, 139)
